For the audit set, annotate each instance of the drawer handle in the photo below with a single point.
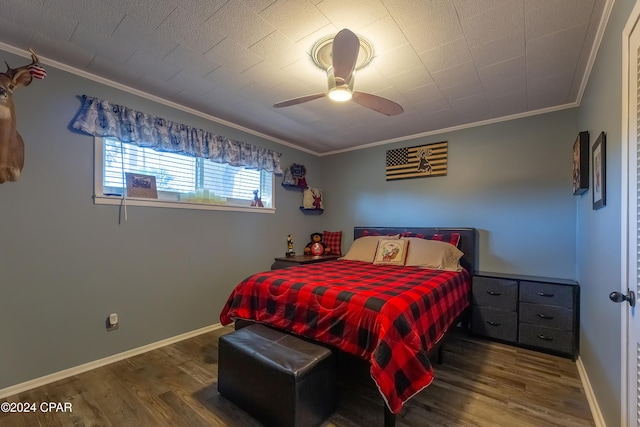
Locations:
(493, 323)
(544, 316)
(544, 294)
(542, 337)
(494, 294)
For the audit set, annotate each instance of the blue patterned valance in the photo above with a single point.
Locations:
(102, 118)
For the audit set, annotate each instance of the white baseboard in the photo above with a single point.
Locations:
(591, 397)
(37, 382)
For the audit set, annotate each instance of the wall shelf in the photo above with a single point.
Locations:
(312, 211)
(293, 187)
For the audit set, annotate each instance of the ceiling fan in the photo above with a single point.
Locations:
(341, 77)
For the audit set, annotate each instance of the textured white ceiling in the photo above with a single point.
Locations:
(447, 62)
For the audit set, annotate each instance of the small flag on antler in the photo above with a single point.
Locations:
(37, 71)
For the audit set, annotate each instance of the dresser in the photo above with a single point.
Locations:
(284, 262)
(539, 313)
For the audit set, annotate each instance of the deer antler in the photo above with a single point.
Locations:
(11, 72)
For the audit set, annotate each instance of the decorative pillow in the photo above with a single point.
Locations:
(391, 252)
(364, 248)
(312, 198)
(433, 254)
(333, 239)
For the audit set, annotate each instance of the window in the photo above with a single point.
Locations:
(181, 181)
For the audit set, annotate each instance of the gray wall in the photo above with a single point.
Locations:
(510, 180)
(65, 263)
(598, 232)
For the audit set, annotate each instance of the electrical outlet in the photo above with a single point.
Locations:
(112, 322)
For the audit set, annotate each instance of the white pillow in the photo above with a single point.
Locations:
(433, 254)
(364, 248)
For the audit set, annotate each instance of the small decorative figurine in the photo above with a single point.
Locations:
(256, 200)
(290, 252)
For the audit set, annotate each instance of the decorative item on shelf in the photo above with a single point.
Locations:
(290, 253)
(312, 200)
(256, 200)
(599, 155)
(294, 177)
(581, 164)
(316, 246)
(143, 186)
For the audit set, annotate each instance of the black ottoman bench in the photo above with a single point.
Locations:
(279, 379)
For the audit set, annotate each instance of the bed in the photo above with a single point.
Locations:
(391, 316)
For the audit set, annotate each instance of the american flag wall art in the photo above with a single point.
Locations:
(417, 162)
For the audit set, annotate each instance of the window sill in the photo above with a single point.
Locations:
(134, 201)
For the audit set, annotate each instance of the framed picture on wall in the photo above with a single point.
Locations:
(581, 164)
(599, 155)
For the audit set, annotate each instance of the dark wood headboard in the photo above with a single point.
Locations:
(468, 239)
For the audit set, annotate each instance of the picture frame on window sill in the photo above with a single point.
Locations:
(599, 176)
(143, 186)
(581, 164)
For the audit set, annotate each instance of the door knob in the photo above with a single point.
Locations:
(619, 297)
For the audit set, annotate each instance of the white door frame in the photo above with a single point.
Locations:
(627, 409)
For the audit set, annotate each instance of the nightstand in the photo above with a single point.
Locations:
(539, 313)
(284, 262)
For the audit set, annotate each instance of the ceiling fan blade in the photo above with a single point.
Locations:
(346, 46)
(377, 103)
(300, 100)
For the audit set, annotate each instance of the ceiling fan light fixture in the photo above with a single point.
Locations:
(341, 75)
(338, 90)
(340, 94)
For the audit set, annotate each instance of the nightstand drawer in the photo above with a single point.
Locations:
(546, 293)
(494, 323)
(549, 338)
(496, 293)
(549, 316)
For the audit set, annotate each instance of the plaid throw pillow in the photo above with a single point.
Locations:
(333, 239)
(452, 238)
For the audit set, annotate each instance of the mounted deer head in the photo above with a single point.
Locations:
(11, 144)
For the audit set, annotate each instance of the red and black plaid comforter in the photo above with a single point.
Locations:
(391, 316)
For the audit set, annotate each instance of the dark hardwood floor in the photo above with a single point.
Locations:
(480, 383)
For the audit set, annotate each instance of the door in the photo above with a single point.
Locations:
(631, 230)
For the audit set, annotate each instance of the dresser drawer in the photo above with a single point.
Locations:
(548, 338)
(497, 293)
(549, 316)
(546, 293)
(494, 323)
